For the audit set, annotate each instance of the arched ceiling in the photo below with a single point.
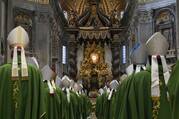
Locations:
(106, 6)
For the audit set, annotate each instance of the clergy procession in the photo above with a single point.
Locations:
(29, 93)
(148, 90)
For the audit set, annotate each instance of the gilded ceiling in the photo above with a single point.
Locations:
(108, 7)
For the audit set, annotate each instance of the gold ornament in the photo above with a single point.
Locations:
(94, 64)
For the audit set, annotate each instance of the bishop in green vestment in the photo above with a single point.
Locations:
(147, 96)
(54, 98)
(21, 86)
(173, 87)
(139, 59)
(106, 103)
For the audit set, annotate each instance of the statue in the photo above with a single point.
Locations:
(72, 20)
(115, 18)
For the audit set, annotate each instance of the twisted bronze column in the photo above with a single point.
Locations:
(72, 63)
(115, 48)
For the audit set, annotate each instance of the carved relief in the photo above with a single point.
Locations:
(80, 6)
(164, 21)
(164, 17)
(55, 35)
(115, 18)
(43, 17)
(145, 16)
(24, 19)
(72, 19)
(93, 12)
(40, 1)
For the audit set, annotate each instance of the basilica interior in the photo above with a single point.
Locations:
(91, 43)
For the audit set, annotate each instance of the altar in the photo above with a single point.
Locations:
(94, 42)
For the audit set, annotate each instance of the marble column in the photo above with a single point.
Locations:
(72, 53)
(177, 25)
(115, 48)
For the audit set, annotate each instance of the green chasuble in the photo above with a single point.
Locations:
(122, 104)
(173, 86)
(55, 104)
(105, 108)
(85, 106)
(101, 106)
(21, 98)
(79, 107)
(140, 104)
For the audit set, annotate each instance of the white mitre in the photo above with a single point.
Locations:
(66, 82)
(77, 87)
(130, 69)
(18, 38)
(157, 44)
(139, 54)
(101, 91)
(114, 84)
(33, 62)
(47, 73)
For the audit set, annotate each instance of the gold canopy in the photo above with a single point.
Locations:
(106, 6)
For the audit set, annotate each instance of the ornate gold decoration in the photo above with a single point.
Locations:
(94, 58)
(91, 33)
(110, 6)
(106, 6)
(155, 107)
(15, 94)
(40, 1)
(72, 19)
(99, 67)
(74, 5)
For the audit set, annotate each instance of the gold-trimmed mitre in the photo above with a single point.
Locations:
(18, 37)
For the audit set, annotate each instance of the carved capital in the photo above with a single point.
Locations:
(43, 17)
(72, 39)
(145, 16)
